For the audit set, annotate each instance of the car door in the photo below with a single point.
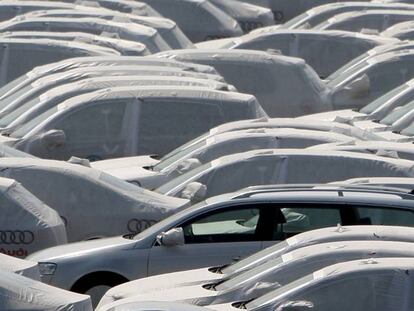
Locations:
(215, 238)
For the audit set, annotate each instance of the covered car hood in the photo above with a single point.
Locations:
(159, 306)
(26, 268)
(159, 282)
(126, 162)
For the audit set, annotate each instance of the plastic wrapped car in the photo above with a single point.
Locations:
(126, 121)
(91, 203)
(167, 29)
(133, 32)
(73, 63)
(268, 166)
(27, 224)
(324, 51)
(19, 56)
(26, 268)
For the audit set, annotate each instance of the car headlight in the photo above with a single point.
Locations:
(47, 268)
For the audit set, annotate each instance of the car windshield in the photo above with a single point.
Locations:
(249, 275)
(393, 94)
(347, 66)
(341, 79)
(11, 85)
(182, 179)
(17, 112)
(256, 258)
(301, 19)
(30, 125)
(276, 294)
(166, 162)
(185, 146)
(398, 113)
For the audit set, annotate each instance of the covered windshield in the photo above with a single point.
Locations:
(17, 112)
(12, 84)
(278, 293)
(183, 178)
(347, 66)
(341, 79)
(30, 125)
(186, 145)
(398, 113)
(165, 162)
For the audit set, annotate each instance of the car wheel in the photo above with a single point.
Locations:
(97, 284)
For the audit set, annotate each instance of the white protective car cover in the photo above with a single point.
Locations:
(19, 112)
(92, 203)
(46, 83)
(167, 28)
(127, 31)
(385, 149)
(200, 20)
(274, 273)
(221, 107)
(26, 268)
(380, 284)
(218, 146)
(284, 86)
(247, 15)
(38, 52)
(214, 274)
(27, 224)
(321, 13)
(80, 62)
(270, 166)
(11, 8)
(374, 20)
(124, 6)
(124, 47)
(324, 51)
(159, 306)
(20, 293)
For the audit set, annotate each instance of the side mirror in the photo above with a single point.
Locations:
(53, 138)
(172, 237)
(187, 165)
(358, 88)
(194, 191)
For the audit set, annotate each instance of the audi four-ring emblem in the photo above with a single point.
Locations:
(16, 237)
(138, 225)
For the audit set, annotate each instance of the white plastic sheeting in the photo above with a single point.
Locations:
(20, 111)
(402, 31)
(133, 32)
(124, 47)
(217, 146)
(198, 19)
(283, 85)
(18, 56)
(20, 293)
(145, 120)
(215, 274)
(124, 6)
(93, 204)
(319, 14)
(81, 62)
(10, 9)
(379, 284)
(376, 20)
(25, 268)
(268, 166)
(167, 29)
(159, 306)
(324, 51)
(27, 224)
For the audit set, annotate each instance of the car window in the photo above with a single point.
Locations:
(384, 216)
(224, 226)
(303, 218)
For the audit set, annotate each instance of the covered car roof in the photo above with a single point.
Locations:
(285, 86)
(124, 47)
(167, 28)
(270, 166)
(402, 182)
(372, 19)
(26, 268)
(133, 32)
(20, 293)
(324, 51)
(27, 224)
(36, 52)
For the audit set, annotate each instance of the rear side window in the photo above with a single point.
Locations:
(384, 216)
